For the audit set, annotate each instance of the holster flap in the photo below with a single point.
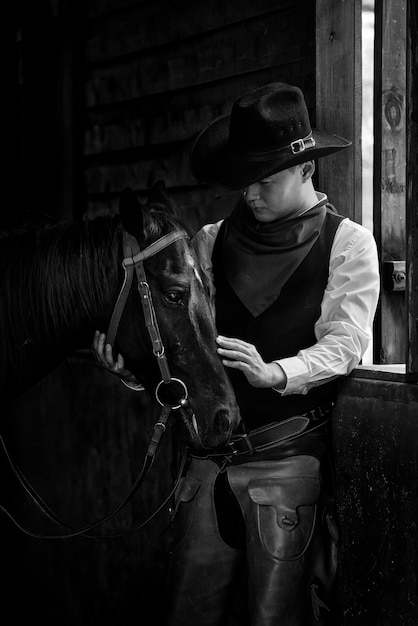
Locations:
(285, 495)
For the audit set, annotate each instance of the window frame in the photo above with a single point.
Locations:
(339, 110)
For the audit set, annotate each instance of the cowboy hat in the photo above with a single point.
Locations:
(267, 131)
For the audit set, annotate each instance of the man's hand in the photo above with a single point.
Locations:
(243, 356)
(104, 357)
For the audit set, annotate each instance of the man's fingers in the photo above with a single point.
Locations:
(230, 341)
(109, 355)
(236, 344)
(238, 365)
(99, 343)
(103, 353)
(233, 354)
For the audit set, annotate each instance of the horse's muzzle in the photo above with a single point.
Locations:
(222, 423)
(212, 433)
(219, 434)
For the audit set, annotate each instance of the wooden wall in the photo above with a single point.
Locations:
(133, 82)
(375, 430)
(158, 72)
(130, 84)
(339, 101)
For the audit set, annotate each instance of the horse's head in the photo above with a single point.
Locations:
(179, 297)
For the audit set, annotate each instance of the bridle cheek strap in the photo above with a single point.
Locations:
(120, 305)
(133, 260)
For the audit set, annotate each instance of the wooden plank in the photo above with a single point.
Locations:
(131, 31)
(105, 8)
(179, 115)
(412, 192)
(171, 166)
(338, 81)
(194, 206)
(389, 163)
(394, 372)
(201, 205)
(375, 430)
(249, 46)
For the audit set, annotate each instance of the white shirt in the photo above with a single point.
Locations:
(344, 328)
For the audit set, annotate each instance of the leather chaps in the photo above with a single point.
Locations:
(254, 543)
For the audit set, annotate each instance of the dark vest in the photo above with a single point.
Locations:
(286, 327)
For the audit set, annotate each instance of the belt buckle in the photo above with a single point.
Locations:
(247, 440)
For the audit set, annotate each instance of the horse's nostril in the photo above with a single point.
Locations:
(221, 422)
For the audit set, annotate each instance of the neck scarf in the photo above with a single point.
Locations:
(259, 258)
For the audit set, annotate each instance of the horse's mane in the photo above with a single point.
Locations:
(52, 274)
(48, 276)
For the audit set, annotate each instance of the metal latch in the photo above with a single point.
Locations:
(394, 275)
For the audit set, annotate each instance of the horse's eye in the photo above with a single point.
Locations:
(175, 297)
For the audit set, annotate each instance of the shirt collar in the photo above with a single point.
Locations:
(321, 198)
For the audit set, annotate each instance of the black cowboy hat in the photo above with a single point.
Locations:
(267, 131)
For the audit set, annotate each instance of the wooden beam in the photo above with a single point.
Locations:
(389, 172)
(338, 105)
(412, 191)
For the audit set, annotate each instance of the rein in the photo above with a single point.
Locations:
(133, 262)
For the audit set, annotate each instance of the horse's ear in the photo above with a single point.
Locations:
(131, 213)
(158, 195)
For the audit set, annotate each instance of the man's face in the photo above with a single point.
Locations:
(278, 196)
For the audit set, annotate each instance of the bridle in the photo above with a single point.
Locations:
(133, 262)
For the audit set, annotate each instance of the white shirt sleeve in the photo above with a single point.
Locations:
(344, 328)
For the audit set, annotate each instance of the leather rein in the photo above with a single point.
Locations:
(133, 262)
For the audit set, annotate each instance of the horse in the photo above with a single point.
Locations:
(60, 282)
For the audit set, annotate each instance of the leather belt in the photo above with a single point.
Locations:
(272, 435)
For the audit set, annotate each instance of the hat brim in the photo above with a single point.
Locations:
(213, 160)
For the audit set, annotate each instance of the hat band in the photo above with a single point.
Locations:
(296, 147)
